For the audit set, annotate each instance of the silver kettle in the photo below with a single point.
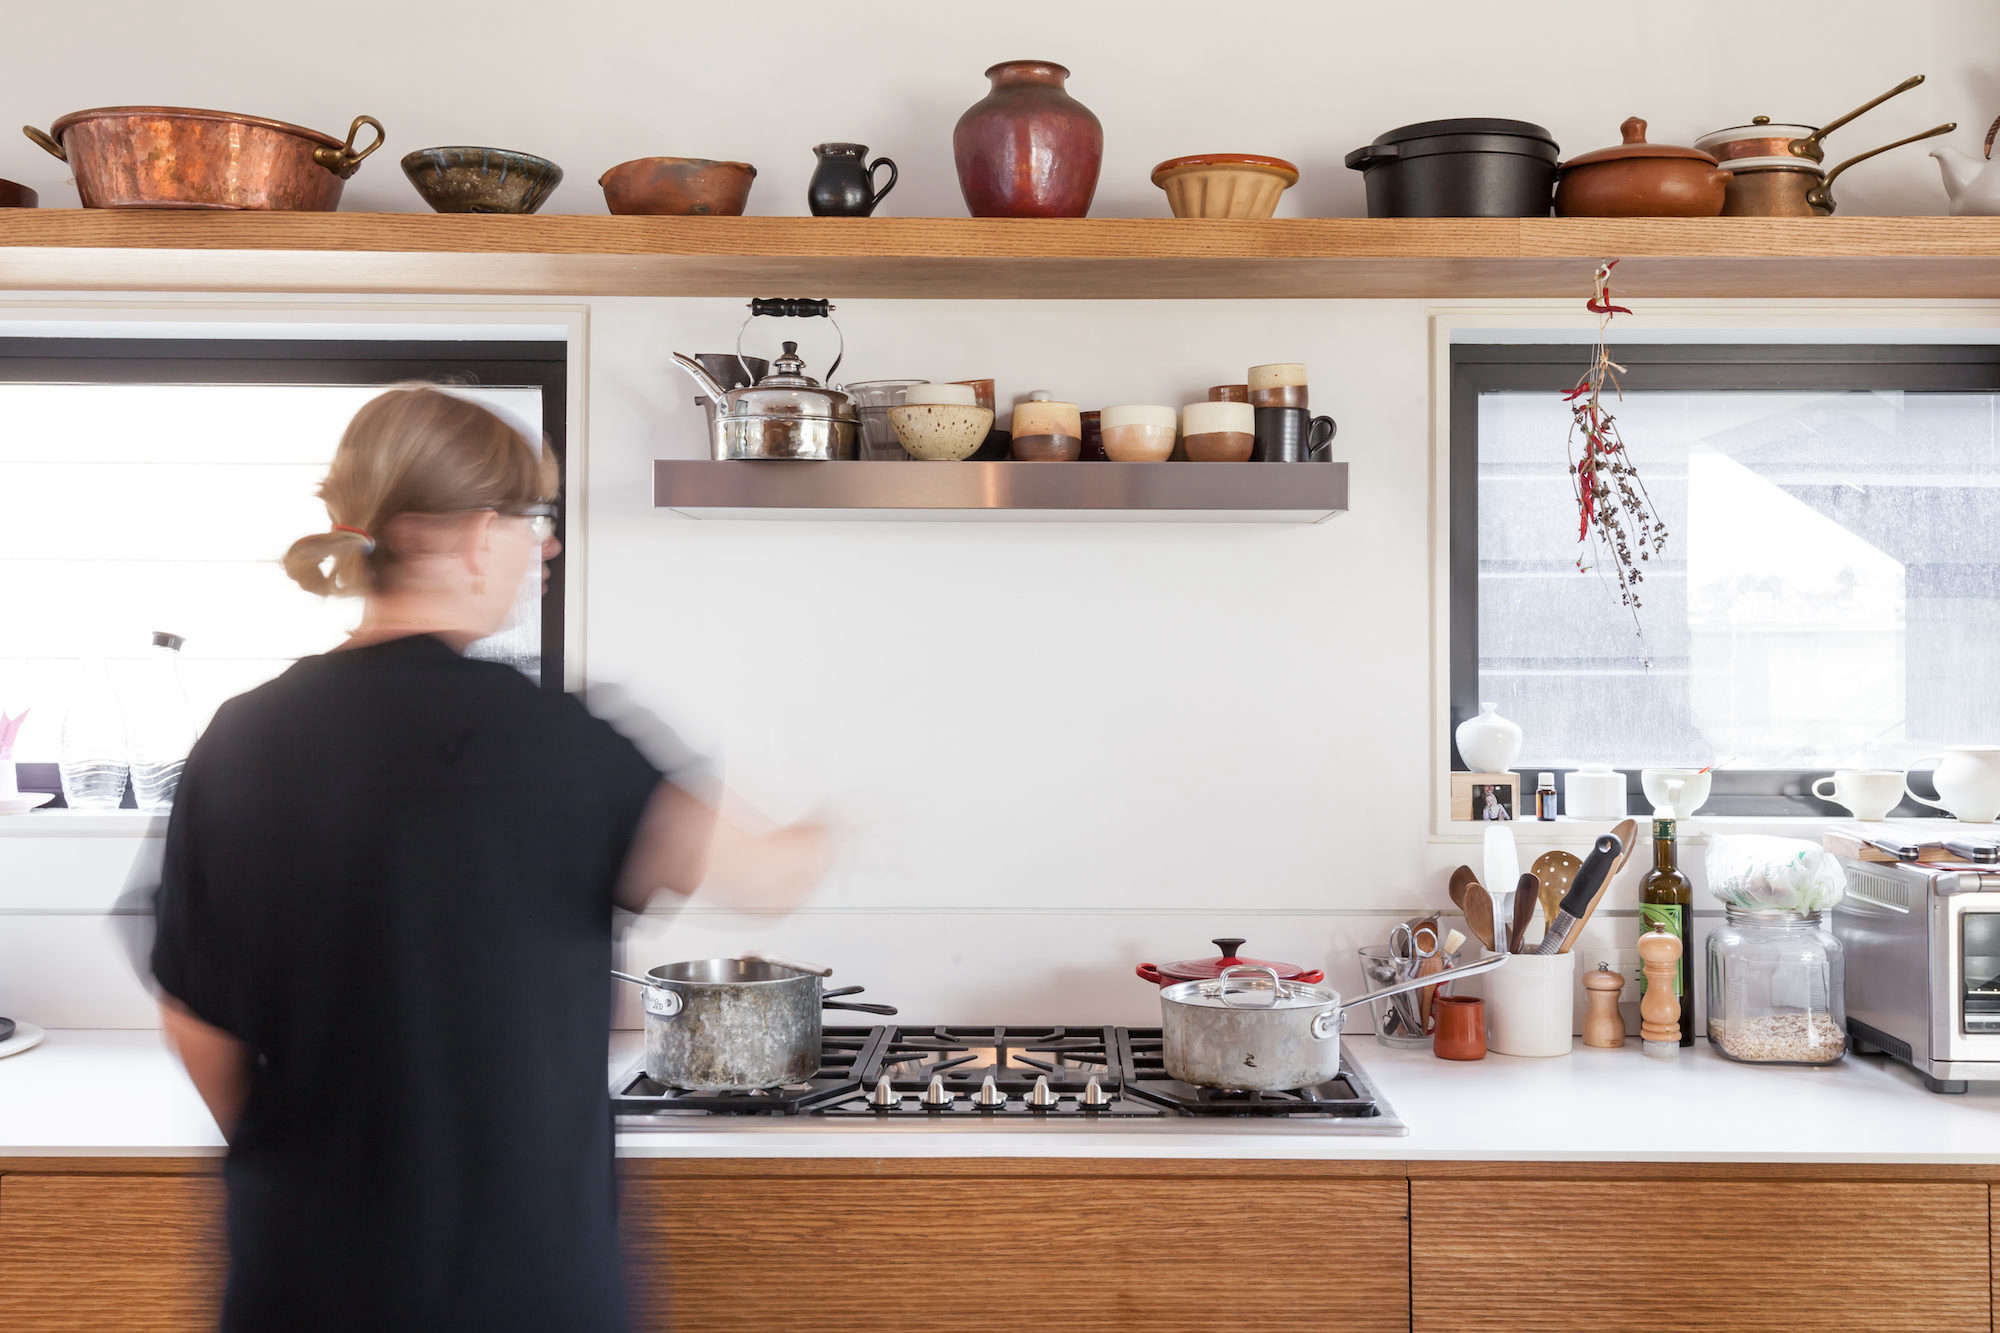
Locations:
(787, 413)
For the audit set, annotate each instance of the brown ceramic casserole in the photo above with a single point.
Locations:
(184, 157)
(13, 194)
(678, 186)
(1637, 179)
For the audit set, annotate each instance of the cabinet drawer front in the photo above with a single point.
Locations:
(105, 1252)
(1699, 1255)
(923, 1252)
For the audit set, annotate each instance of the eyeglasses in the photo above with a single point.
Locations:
(541, 518)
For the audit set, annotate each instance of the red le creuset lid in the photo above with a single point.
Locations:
(1201, 969)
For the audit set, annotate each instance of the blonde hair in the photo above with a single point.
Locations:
(414, 450)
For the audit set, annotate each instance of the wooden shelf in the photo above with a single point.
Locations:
(1058, 492)
(598, 255)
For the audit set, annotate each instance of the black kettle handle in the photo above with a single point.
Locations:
(799, 307)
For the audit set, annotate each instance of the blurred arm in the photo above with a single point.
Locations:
(218, 1063)
(684, 842)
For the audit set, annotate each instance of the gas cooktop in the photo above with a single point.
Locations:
(968, 1076)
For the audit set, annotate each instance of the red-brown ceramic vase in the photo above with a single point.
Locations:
(1028, 149)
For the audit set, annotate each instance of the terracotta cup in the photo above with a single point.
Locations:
(1461, 1027)
(1138, 433)
(1219, 432)
(982, 391)
(1229, 393)
(1279, 384)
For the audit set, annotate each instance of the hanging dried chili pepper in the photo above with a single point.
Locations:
(1614, 512)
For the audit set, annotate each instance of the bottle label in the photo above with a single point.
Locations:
(1669, 917)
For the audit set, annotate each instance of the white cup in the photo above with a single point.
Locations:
(1531, 1005)
(945, 395)
(1676, 793)
(1596, 791)
(1868, 793)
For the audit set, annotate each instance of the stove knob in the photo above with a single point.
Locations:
(1042, 1094)
(990, 1094)
(1094, 1095)
(937, 1094)
(885, 1096)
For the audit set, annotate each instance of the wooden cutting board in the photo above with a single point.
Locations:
(1849, 843)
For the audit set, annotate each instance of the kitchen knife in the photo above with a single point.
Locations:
(1902, 851)
(1582, 895)
(1981, 853)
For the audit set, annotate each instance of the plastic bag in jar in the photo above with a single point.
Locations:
(1758, 873)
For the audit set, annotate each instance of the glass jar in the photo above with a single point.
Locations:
(159, 723)
(1774, 989)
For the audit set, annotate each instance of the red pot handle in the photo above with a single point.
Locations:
(1312, 978)
(1151, 972)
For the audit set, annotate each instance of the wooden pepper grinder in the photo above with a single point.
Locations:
(1660, 1009)
(1603, 1025)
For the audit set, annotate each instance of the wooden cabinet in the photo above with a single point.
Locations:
(110, 1252)
(1742, 1254)
(887, 1246)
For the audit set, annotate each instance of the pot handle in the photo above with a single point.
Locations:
(796, 967)
(1805, 147)
(1374, 155)
(660, 999)
(1446, 977)
(884, 1010)
(344, 161)
(1223, 992)
(1821, 195)
(1150, 972)
(43, 140)
(1328, 1022)
(1919, 762)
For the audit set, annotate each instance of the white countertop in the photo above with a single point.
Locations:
(89, 1092)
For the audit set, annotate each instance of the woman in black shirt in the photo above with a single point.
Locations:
(385, 917)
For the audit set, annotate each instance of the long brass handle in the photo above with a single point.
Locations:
(1821, 195)
(1809, 146)
(43, 141)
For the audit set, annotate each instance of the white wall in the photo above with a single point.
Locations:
(1055, 749)
(595, 82)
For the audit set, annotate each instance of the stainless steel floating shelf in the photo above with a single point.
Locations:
(1050, 492)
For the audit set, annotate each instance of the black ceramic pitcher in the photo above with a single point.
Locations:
(843, 184)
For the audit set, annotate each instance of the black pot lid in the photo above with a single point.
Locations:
(1433, 129)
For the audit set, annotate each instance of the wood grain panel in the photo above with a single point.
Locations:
(995, 257)
(105, 1252)
(918, 1251)
(1667, 1255)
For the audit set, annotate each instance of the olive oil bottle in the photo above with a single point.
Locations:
(1666, 900)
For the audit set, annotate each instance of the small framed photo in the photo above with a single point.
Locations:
(1485, 796)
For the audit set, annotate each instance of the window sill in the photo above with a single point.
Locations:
(83, 824)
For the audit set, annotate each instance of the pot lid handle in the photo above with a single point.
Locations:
(1223, 992)
(1633, 129)
(1232, 950)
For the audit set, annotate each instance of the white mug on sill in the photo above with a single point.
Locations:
(1868, 793)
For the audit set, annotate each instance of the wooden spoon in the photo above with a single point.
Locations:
(1471, 898)
(1526, 899)
(1554, 872)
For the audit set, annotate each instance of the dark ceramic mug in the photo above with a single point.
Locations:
(843, 184)
(1292, 435)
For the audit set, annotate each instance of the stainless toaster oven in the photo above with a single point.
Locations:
(1923, 968)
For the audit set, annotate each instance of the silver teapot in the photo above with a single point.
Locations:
(787, 413)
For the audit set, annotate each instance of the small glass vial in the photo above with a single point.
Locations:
(1545, 796)
(1774, 989)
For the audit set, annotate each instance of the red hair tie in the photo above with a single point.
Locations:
(359, 532)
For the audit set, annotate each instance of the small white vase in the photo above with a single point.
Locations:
(1489, 743)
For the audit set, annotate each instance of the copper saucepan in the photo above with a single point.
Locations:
(1776, 187)
(184, 157)
(1761, 138)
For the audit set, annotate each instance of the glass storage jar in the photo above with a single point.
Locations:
(1774, 989)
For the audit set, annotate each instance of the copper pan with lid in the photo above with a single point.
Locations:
(1784, 187)
(1762, 138)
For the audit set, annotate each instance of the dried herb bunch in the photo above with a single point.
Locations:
(1614, 513)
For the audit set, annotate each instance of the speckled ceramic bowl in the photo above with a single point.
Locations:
(941, 432)
(481, 180)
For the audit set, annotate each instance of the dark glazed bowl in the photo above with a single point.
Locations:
(481, 180)
(678, 186)
(13, 194)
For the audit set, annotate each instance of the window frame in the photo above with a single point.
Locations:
(1476, 368)
(540, 363)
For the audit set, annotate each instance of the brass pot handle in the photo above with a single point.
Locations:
(343, 161)
(1808, 146)
(1821, 196)
(47, 144)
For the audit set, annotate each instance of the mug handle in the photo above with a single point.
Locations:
(1917, 763)
(1826, 796)
(1316, 443)
(876, 197)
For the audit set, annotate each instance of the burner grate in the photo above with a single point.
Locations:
(844, 1052)
(1142, 1051)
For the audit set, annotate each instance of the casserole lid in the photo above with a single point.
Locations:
(1473, 134)
(1635, 146)
(1202, 969)
(1250, 988)
(1437, 129)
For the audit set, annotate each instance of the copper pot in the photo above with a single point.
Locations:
(1637, 179)
(1781, 187)
(1762, 139)
(181, 157)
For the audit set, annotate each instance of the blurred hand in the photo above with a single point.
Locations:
(770, 869)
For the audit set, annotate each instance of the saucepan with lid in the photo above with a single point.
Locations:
(737, 1024)
(1777, 169)
(1249, 1030)
(1202, 969)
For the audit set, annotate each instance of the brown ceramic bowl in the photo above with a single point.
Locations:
(678, 186)
(13, 194)
(1636, 179)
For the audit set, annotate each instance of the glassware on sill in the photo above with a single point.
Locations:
(872, 400)
(93, 762)
(1774, 988)
(159, 723)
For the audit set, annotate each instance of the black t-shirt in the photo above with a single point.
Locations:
(389, 872)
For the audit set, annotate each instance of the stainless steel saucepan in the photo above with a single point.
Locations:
(736, 1024)
(1248, 1030)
